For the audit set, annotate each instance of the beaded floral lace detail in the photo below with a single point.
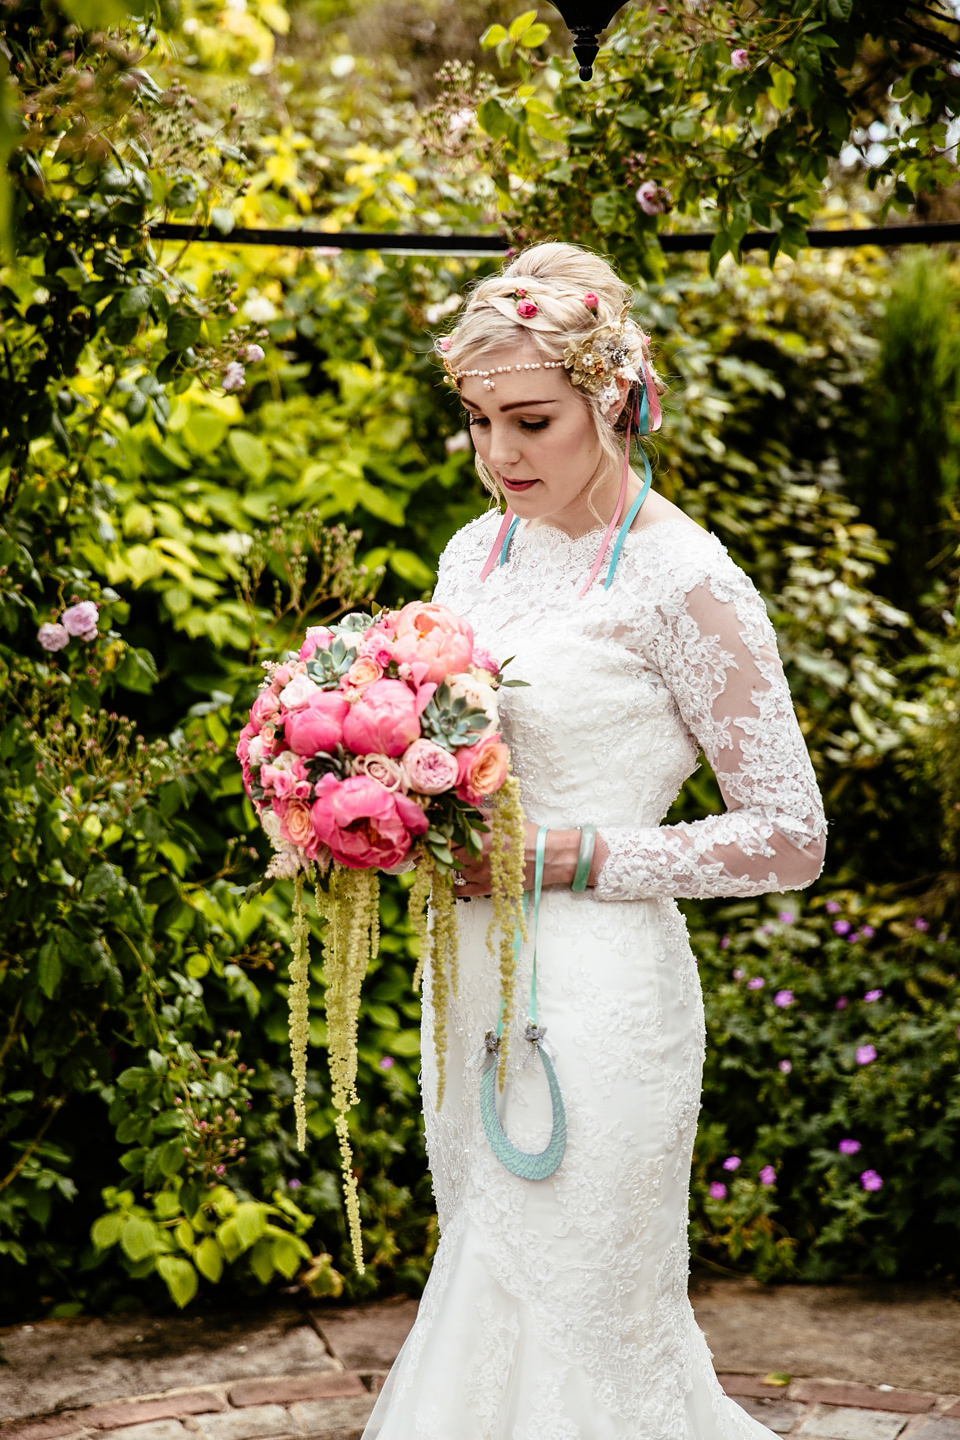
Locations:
(558, 1310)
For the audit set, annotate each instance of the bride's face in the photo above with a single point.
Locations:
(536, 435)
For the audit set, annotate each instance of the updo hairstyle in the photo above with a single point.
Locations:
(556, 277)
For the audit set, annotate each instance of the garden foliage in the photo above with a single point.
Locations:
(147, 1107)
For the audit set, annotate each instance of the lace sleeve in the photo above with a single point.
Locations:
(715, 648)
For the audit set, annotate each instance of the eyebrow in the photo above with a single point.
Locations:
(516, 405)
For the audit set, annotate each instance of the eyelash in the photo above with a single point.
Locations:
(530, 425)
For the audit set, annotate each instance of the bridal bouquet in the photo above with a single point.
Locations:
(377, 747)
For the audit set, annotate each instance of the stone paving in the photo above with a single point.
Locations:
(313, 1374)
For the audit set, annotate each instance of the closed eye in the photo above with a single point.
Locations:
(481, 421)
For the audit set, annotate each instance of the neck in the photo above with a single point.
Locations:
(577, 518)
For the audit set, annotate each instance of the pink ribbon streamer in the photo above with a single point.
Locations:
(497, 544)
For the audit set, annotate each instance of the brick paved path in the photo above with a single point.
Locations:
(301, 1376)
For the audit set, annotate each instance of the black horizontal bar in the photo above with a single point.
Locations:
(306, 239)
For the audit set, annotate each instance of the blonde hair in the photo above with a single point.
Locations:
(557, 277)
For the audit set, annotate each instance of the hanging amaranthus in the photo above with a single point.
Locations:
(298, 1000)
(506, 884)
(351, 908)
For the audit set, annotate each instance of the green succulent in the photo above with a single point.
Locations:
(450, 722)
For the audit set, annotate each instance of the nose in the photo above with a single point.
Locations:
(504, 450)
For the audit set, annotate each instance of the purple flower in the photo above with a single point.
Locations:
(787, 916)
(870, 1180)
(867, 931)
(718, 1191)
(768, 1176)
(840, 927)
(294, 1184)
(732, 1162)
(739, 974)
(866, 1054)
(853, 937)
(387, 1062)
(53, 637)
(765, 930)
(652, 198)
(783, 998)
(842, 1003)
(872, 995)
(81, 620)
(234, 376)
(786, 1066)
(848, 1147)
(724, 942)
(251, 354)
(757, 983)
(921, 924)
(833, 907)
(740, 60)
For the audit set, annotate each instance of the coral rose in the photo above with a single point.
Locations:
(384, 721)
(434, 636)
(296, 825)
(429, 768)
(363, 672)
(319, 725)
(482, 769)
(365, 825)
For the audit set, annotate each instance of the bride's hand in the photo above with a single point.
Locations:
(476, 873)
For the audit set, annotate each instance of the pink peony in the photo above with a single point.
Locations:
(319, 725)
(263, 709)
(363, 824)
(81, 620)
(436, 637)
(429, 769)
(53, 637)
(318, 638)
(385, 720)
(740, 59)
(481, 769)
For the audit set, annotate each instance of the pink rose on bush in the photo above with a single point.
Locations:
(81, 620)
(433, 635)
(740, 59)
(364, 824)
(264, 708)
(385, 720)
(481, 769)
(319, 725)
(429, 768)
(652, 198)
(53, 637)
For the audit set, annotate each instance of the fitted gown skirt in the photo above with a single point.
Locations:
(557, 1309)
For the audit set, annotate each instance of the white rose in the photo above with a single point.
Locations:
(478, 696)
(255, 750)
(295, 695)
(270, 821)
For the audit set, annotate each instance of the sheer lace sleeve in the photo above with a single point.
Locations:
(715, 648)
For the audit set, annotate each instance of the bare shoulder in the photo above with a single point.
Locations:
(657, 507)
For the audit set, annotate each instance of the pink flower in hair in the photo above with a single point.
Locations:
(445, 343)
(591, 301)
(526, 309)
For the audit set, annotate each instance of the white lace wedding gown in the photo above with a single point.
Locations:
(557, 1309)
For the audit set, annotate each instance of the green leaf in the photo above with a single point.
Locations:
(139, 1238)
(105, 1230)
(840, 9)
(493, 118)
(522, 24)
(406, 1042)
(137, 670)
(182, 194)
(491, 37)
(96, 14)
(222, 219)
(208, 1258)
(171, 1157)
(411, 568)
(180, 1277)
(250, 453)
(719, 248)
(48, 967)
(261, 1261)
(250, 1221)
(183, 330)
(605, 209)
(535, 36)
(135, 301)
(781, 91)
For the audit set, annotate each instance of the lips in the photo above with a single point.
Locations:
(518, 484)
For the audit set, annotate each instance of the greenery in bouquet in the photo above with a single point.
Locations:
(377, 747)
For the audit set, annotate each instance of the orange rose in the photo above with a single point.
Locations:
(363, 672)
(482, 769)
(296, 823)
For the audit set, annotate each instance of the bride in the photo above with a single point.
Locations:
(557, 1307)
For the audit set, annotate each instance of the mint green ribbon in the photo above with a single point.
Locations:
(537, 1165)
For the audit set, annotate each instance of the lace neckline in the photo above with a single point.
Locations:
(556, 539)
